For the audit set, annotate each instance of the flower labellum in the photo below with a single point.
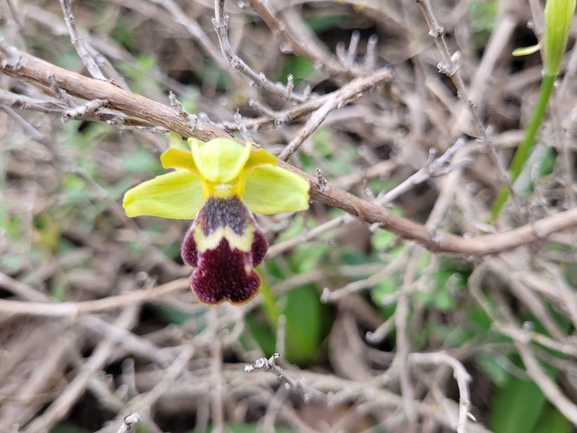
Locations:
(217, 185)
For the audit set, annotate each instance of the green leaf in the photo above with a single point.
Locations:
(498, 375)
(124, 36)
(171, 250)
(324, 22)
(558, 17)
(59, 288)
(261, 332)
(552, 421)
(384, 288)
(525, 51)
(382, 239)
(516, 407)
(172, 315)
(299, 67)
(483, 14)
(269, 304)
(303, 312)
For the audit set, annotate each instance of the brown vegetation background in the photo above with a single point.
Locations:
(394, 304)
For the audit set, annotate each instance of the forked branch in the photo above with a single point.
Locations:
(26, 67)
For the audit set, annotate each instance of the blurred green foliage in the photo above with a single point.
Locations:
(482, 14)
(299, 67)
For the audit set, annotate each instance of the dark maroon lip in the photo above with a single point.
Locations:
(225, 273)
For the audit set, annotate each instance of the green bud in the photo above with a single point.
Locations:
(558, 17)
(525, 51)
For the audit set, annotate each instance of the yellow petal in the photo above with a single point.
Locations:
(176, 195)
(192, 140)
(270, 189)
(259, 158)
(174, 158)
(220, 160)
(176, 142)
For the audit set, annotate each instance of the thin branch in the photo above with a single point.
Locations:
(379, 334)
(26, 103)
(216, 396)
(450, 67)
(163, 383)
(360, 85)
(303, 46)
(194, 29)
(242, 128)
(310, 234)
(257, 80)
(566, 157)
(129, 422)
(20, 289)
(459, 373)
(63, 403)
(402, 346)
(71, 309)
(338, 99)
(276, 405)
(371, 53)
(81, 111)
(78, 43)
(534, 370)
(356, 286)
(538, 18)
(24, 66)
(19, 24)
(269, 365)
(132, 342)
(432, 168)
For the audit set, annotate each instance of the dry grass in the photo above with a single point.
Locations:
(417, 324)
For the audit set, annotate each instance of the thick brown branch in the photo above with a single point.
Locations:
(38, 71)
(24, 66)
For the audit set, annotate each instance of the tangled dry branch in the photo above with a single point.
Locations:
(185, 366)
(133, 109)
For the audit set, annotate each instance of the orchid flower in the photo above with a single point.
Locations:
(218, 185)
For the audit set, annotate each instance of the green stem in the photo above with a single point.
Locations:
(522, 153)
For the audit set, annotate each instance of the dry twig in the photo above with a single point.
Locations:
(79, 43)
(129, 422)
(461, 376)
(15, 63)
(449, 66)
(257, 80)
